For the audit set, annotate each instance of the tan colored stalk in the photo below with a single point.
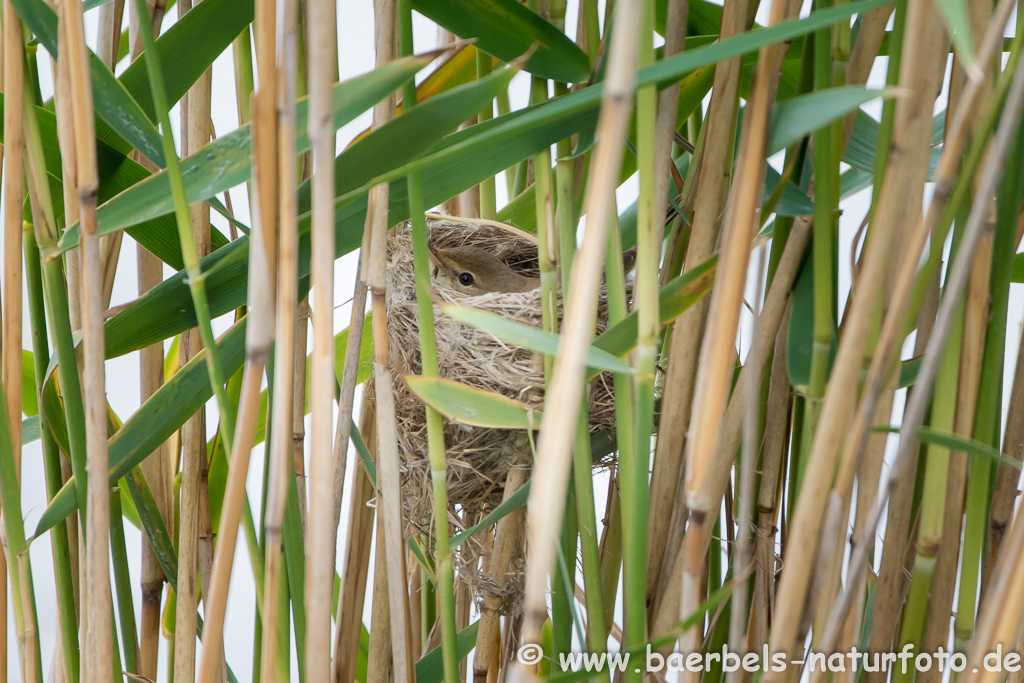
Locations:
(157, 472)
(507, 539)
(714, 375)
(388, 467)
(298, 428)
(378, 656)
(913, 137)
(97, 663)
(12, 58)
(231, 512)
(357, 558)
(1000, 617)
(14, 190)
(862, 56)
(195, 542)
(743, 555)
(156, 467)
(713, 189)
(893, 579)
(284, 334)
(547, 496)
(259, 335)
(349, 375)
(321, 532)
(776, 433)
(156, 8)
(1005, 493)
(108, 36)
(193, 452)
(904, 181)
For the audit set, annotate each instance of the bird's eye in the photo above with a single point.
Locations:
(465, 279)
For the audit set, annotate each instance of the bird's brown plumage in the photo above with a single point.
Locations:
(474, 271)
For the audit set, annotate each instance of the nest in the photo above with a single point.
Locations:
(478, 459)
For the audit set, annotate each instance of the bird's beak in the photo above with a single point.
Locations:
(434, 257)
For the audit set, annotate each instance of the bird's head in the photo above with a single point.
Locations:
(474, 271)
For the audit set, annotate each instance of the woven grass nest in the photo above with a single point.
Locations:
(478, 459)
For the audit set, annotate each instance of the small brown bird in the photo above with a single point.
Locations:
(475, 271)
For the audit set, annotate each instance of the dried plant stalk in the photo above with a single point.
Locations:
(322, 533)
(717, 353)
(713, 189)
(97, 665)
(357, 559)
(284, 334)
(388, 472)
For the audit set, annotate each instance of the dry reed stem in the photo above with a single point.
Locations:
(14, 191)
(507, 539)
(259, 335)
(920, 142)
(195, 554)
(12, 57)
(546, 503)
(893, 580)
(904, 180)
(714, 373)
(1005, 493)
(357, 558)
(108, 35)
(742, 556)
(943, 585)
(97, 664)
(284, 332)
(215, 601)
(156, 468)
(862, 55)
(388, 469)
(668, 100)
(346, 400)
(1002, 611)
(322, 534)
(193, 452)
(298, 428)
(378, 656)
(712, 184)
(3, 558)
(776, 434)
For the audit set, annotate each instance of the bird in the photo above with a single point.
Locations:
(474, 271)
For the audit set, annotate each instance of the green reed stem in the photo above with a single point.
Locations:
(19, 567)
(295, 563)
(962, 189)
(428, 354)
(988, 413)
(51, 458)
(588, 538)
(826, 195)
(123, 585)
(488, 202)
(933, 500)
(189, 253)
(635, 470)
(47, 233)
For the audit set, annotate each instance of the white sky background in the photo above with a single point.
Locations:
(355, 33)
